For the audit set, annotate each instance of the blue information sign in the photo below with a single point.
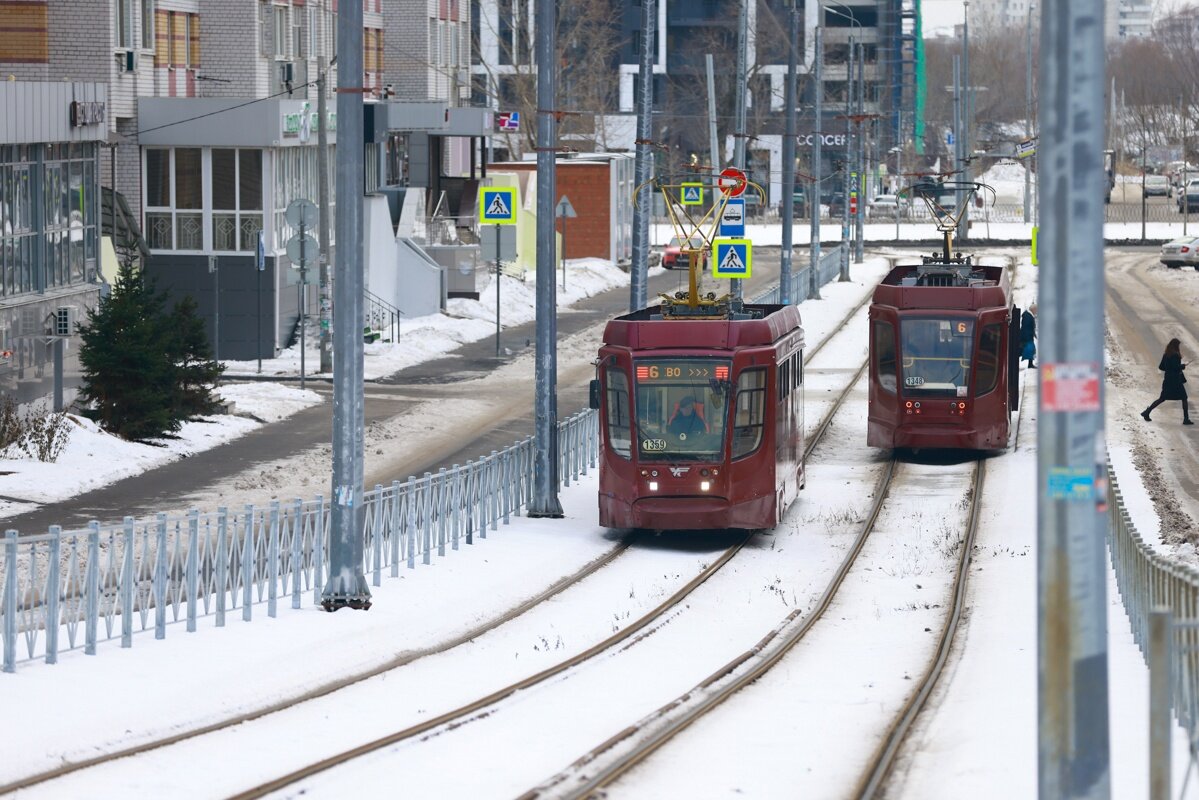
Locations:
(732, 220)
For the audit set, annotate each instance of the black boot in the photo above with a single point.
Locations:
(1145, 414)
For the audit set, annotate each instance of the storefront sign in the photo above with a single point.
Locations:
(826, 139)
(85, 113)
(299, 124)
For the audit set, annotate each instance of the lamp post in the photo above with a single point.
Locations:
(898, 151)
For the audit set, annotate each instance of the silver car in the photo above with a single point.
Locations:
(1182, 252)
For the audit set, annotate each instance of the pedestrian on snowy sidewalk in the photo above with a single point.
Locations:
(1028, 335)
(1172, 383)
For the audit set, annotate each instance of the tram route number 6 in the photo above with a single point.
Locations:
(656, 372)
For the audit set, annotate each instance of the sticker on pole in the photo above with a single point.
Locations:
(734, 258)
(1070, 483)
(693, 194)
(1070, 386)
(732, 219)
(497, 205)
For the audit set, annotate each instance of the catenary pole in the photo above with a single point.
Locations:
(788, 150)
(347, 585)
(713, 142)
(544, 500)
(846, 241)
(739, 95)
(967, 106)
(644, 163)
(817, 167)
(322, 197)
(1028, 112)
(859, 243)
(1072, 523)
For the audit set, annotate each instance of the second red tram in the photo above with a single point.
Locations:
(701, 419)
(944, 356)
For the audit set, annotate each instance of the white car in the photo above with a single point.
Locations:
(887, 206)
(1182, 252)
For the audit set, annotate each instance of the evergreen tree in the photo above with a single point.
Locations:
(195, 369)
(128, 377)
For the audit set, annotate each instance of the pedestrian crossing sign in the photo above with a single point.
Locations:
(693, 194)
(497, 205)
(734, 258)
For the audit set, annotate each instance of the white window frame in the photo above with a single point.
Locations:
(281, 22)
(187, 41)
(148, 25)
(210, 211)
(126, 35)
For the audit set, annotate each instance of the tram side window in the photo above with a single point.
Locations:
(749, 412)
(988, 360)
(620, 433)
(884, 354)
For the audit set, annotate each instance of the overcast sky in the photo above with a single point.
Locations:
(941, 15)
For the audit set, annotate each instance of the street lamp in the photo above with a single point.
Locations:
(898, 151)
(849, 139)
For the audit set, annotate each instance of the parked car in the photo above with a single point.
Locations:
(835, 202)
(1157, 185)
(1182, 252)
(1189, 197)
(799, 203)
(674, 258)
(887, 206)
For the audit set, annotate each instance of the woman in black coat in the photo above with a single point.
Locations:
(1172, 383)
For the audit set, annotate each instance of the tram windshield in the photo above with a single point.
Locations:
(936, 356)
(681, 405)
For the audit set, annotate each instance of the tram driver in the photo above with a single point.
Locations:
(687, 419)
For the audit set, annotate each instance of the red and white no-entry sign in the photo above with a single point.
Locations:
(732, 182)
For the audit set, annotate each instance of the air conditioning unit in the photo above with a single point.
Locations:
(126, 60)
(287, 72)
(64, 320)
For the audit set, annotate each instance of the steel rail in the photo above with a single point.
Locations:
(767, 651)
(328, 688)
(458, 714)
(495, 697)
(884, 756)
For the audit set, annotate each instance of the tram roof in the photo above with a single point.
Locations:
(644, 329)
(977, 286)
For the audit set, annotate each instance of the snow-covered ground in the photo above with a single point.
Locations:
(980, 742)
(93, 458)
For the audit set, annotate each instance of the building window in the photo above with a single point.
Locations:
(147, 24)
(236, 199)
(282, 32)
(125, 24)
(296, 177)
(174, 198)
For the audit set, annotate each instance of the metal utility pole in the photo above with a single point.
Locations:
(322, 198)
(742, 79)
(788, 150)
(713, 141)
(1028, 112)
(1186, 207)
(1072, 523)
(544, 500)
(817, 167)
(645, 161)
(347, 585)
(849, 170)
(859, 244)
(957, 122)
(966, 111)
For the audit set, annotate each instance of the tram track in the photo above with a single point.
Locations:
(462, 713)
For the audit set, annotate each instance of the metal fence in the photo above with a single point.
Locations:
(1149, 580)
(830, 267)
(68, 589)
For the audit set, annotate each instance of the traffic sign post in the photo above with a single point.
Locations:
(732, 219)
(261, 264)
(497, 206)
(564, 211)
(733, 258)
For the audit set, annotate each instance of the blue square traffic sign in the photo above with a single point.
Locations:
(497, 205)
(734, 258)
(732, 219)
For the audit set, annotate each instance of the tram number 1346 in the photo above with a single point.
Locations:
(653, 445)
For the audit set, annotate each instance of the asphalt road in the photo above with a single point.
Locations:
(170, 486)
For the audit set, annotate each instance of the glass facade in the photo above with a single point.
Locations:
(203, 199)
(48, 210)
(681, 408)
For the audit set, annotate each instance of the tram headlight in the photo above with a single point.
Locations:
(653, 486)
(705, 486)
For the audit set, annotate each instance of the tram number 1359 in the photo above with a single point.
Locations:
(653, 445)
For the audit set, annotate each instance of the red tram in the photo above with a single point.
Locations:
(944, 356)
(702, 419)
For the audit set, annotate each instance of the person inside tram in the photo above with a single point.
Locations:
(687, 419)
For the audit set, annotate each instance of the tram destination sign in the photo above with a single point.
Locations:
(680, 371)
